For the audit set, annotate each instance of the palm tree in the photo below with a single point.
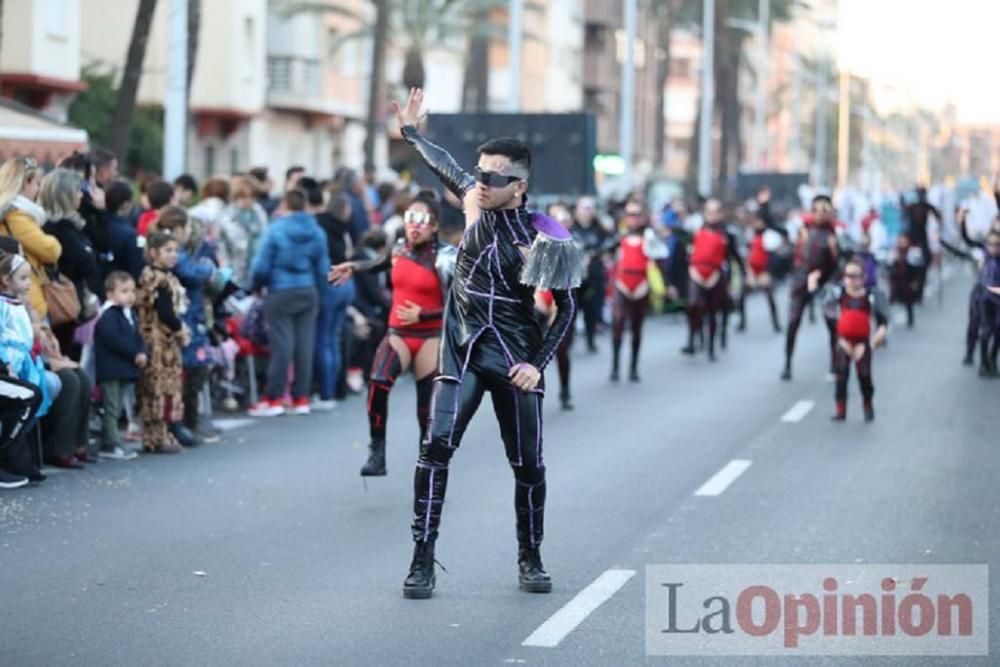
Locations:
(125, 106)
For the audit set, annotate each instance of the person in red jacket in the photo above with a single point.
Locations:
(636, 247)
(420, 268)
(852, 306)
(759, 259)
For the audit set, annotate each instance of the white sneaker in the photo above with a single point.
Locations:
(266, 409)
(301, 410)
(324, 405)
(119, 454)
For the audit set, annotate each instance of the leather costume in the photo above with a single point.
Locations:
(814, 253)
(489, 327)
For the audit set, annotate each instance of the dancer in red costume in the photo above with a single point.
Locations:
(636, 248)
(421, 269)
(709, 274)
(758, 261)
(852, 307)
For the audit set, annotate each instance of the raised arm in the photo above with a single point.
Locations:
(435, 157)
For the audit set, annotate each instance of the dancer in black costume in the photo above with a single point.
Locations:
(492, 340)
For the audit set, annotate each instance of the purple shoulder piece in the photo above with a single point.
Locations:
(550, 227)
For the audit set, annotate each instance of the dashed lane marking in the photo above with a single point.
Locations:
(798, 411)
(574, 612)
(721, 480)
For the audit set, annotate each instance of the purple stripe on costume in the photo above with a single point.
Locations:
(430, 500)
(527, 234)
(499, 272)
(538, 430)
(569, 323)
(531, 517)
(491, 296)
(461, 379)
(503, 345)
(517, 421)
(550, 227)
(430, 466)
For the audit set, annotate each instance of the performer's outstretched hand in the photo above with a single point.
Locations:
(340, 273)
(524, 376)
(410, 114)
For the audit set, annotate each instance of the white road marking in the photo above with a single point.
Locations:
(721, 480)
(574, 612)
(798, 411)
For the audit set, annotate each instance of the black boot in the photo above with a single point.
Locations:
(869, 412)
(375, 465)
(565, 402)
(184, 435)
(529, 503)
(532, 576)
(419, 583)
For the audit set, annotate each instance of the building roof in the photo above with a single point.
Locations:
(25, 131)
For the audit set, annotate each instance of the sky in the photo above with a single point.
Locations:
(937, 50)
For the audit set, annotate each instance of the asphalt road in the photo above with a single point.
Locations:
(267, 548)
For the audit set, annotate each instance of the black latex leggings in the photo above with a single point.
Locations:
(519, 414)
(842, 368)
(632, 311)
(799, 299)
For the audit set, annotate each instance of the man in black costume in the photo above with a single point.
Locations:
(492, 340)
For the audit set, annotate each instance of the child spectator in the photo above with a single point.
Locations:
(121, 355)
(195, 271)
(125, 247)
(160, 301)
(185, 190)
(159, 194)
(18, 355)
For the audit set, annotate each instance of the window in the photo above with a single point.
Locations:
(56, 18)
(209, 160)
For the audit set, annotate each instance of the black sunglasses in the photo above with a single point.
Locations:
(493, 179)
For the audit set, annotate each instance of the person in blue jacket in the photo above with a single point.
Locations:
(125, 247)
(195, 268)
(291, 264)
(120, 354)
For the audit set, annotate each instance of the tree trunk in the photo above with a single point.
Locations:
(194, 30)
(125, 106)
(375, 85)
(413, 68)
(662, 74)
(476, 81)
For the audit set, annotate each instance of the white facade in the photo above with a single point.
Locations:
(40, 53)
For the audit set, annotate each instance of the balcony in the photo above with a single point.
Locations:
(294, 83)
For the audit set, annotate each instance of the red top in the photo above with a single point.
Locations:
(630, 270)
(855, 317)
(145, 220)
(759, 257)
(416, 281)
(708, 251)
(546, 296)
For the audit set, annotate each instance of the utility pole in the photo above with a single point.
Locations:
(515, 38)
(760, 110)
(627, 120)
(175, 102)
(844, 130)
(819, 166)
(707, 98)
